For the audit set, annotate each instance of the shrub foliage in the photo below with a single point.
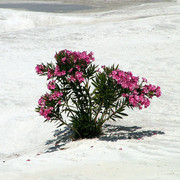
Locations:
(89, 95)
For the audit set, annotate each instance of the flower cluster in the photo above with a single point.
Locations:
(72, 56)
(69, 64)
(44, 109)
(152, 90)
(51, 85)
(55, 95)
(40, 69)
(136, 93)
(125, 79)
(138, 100)
(45, 100)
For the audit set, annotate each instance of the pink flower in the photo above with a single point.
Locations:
(136, 97)
(124, 95)
(45, 112)
(55, 95)
(145, 89)
(125, 79)
(79, 77)
(91, 56)
(146, 103)
(144, 79)
(50, 73)
(158, 91)
(70, 70)
(151, 87)
(63, 73)
(39, 69)
(132, 101)
(79, 74)
(56, 70)
(100, 71)
(58, 94)
(141, 99)
(72, 79)
(78, 59)
(63, 60)
(42, 101)
(78, 67)
(58, 73)
(55, 56)
(123, 84)
(51, 85)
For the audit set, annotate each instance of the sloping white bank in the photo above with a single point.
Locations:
(143, 39)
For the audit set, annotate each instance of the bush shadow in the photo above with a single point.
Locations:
(61, 138)
(116, 132)
(110, 133)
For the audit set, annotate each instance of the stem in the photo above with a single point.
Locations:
(66, 102)
(122, 106)
(77, 96)
(90, 101)
(103, 114)
(83, 94)
(67, 125)
(73, 130)
(98, 112)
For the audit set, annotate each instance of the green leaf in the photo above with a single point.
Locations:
(117, 116)
(123, 114)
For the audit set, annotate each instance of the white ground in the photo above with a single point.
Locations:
(143, 39)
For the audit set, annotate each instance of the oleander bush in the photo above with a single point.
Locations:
(88, 95)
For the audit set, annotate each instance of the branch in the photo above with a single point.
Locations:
(110, 116)
(67, 125)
